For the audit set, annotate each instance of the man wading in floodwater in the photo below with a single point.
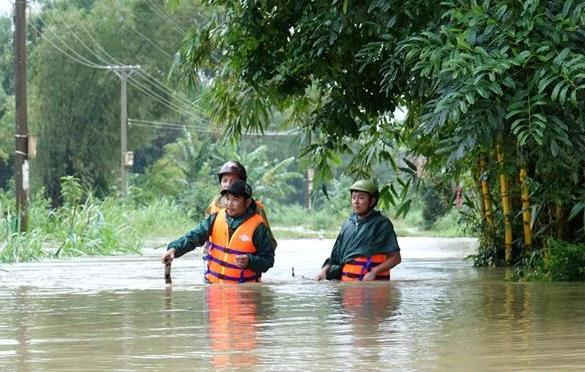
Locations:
(229, 172)
(366, 247)
(240, 245)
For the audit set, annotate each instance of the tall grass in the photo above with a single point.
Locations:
(160, 218)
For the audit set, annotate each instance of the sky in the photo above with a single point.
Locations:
(6, 7)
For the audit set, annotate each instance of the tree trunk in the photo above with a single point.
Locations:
(560, 220)
(506, 205)
(526, 212)
(485, 193)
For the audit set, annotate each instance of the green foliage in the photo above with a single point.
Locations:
(6, 59)
(333, 66)
(559, 261)
(187, 173)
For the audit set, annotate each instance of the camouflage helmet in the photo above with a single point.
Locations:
(365, 186)
(234, 167)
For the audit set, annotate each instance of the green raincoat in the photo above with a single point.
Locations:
(361, 237)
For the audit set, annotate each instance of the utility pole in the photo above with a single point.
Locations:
(21, 166)
(123, 72)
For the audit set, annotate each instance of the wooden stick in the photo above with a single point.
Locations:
(168, 280)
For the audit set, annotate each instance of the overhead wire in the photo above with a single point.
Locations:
(150, 86)
(178, 95)
(98, 45)
(183, 106)
(156, 124)
(182, 110)
(163, 14)
(168, 125)
(103, 50)
(189, 106)
(151, 42)
(72, 54)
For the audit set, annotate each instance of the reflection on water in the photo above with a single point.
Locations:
(439, 313)
(233, 314)
(371, 307)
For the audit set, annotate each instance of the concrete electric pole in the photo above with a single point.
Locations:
(123, 72)
(21, 166)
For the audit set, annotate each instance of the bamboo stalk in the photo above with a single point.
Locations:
(526, 212)
(506, 205)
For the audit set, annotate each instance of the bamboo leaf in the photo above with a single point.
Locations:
(577, 208)
(563, 94)
(410, 164)
(404, 209)
(555, 93)
(554, 148)
(562, 55)
(545, 82)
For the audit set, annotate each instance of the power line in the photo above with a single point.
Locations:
(151, 42)
(164, 15)
(98, 45)
(183, 106)
(175, 94)
(188, 106)
(75, 57)
(168, 125)
(161, 124)
(173, 106)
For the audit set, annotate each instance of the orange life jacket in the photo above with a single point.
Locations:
(221, 257)
(356, 268)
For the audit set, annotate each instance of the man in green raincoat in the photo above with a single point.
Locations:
(366, 247)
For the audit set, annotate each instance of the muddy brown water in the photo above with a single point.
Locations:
(438, 313)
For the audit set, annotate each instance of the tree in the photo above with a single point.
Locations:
(272, 53)
(482, 80)
(6, 101)
(508, 80)
(75, 102)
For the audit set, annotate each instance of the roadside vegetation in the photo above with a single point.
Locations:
(87, 225)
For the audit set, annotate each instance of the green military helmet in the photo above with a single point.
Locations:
(366, 186)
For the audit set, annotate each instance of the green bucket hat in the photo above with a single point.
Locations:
(365, 186)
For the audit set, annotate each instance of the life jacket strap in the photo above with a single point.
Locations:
(360, 276)
(223, 249)
(222, 262)
(241, 279)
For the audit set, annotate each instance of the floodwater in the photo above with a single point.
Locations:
(437, 313)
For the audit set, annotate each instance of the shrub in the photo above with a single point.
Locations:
(558, 261)
(564, 261)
